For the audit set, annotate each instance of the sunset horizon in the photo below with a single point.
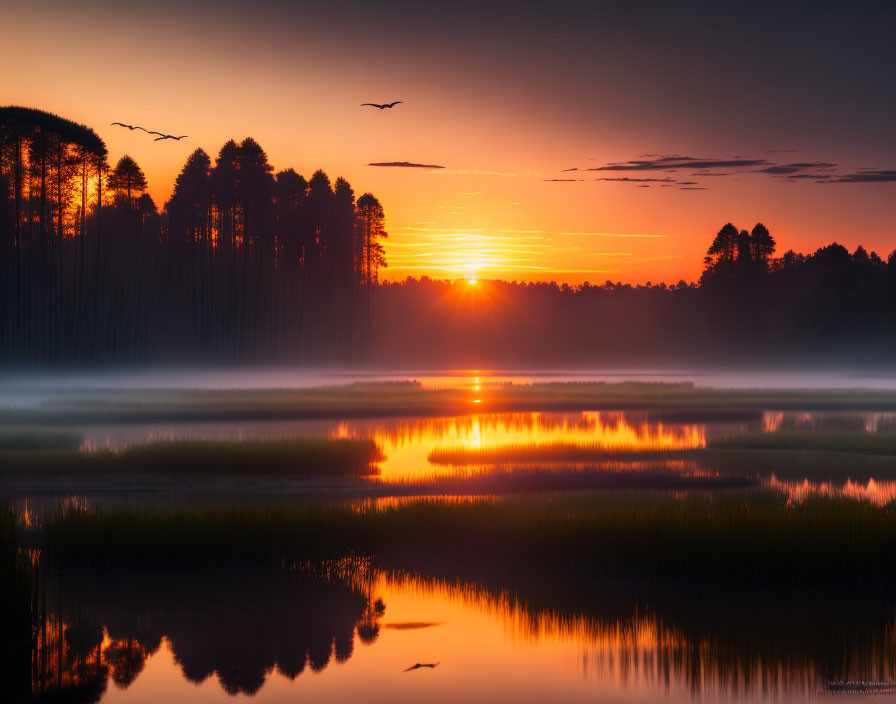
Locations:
(541, 175)
(483, 351)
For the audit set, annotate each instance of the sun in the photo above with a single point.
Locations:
(472, 282)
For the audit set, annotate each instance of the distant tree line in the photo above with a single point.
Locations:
(241, 264)
(246, 265)
(748, 307)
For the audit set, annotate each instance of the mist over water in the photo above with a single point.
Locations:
(26, 388)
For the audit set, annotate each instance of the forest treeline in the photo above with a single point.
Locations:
(241, 264)
(748, 307)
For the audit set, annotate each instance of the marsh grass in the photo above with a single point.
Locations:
(794, 464)
(626, 473)
(556, 452)
(859, 441)
(410, 398)
(35, 439)
(289, 457)
(719, 538)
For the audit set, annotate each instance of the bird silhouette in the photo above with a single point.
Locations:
(418, 665)
(167, 136)
(130, 127)
(383, 106)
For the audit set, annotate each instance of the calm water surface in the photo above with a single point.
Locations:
(25, 388)
(351, 636)
(414, 449)
(289, 638)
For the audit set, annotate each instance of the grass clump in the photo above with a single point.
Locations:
(297, 457)
(529, 453)
(32, 439)
(719, 538)
(811, 441)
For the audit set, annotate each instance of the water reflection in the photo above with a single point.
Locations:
(878, 493)
(499, 635)
(423, 449)
(234, 629)
(408, 443)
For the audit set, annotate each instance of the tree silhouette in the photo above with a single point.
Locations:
(127, 179)
(762, 243)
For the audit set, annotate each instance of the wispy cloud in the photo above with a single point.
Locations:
(863, 176)
(782, 169)
(703, 167)
(675, 162)
(626, 179)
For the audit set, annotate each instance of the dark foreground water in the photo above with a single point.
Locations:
(351, 635)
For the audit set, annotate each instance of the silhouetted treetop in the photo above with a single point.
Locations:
(20, 119)
(127, 178)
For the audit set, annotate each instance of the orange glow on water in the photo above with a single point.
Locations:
(878, 493)
(485, 641)
(408, 444)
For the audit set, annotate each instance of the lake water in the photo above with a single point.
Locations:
(287, 638)
(352, 634)
(417, 450)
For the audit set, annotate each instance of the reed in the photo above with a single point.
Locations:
(858, 441)
(297, 457)
(32, 439)
(556, 452)
(719, 538)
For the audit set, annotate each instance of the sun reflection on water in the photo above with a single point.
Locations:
(409, 444)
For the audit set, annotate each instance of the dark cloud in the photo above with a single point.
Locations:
(626, 179)
(782, 169)
(644, 185)
(780, 151)
(561, 180)
(673, 163)
(407, 165)
(572, 169)
(807, 177)
(864, 176)
(817, 171)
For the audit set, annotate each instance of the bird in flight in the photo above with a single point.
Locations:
(166, 136)
(130, 127)
(161, 136)
(430, 665)
(383, 106)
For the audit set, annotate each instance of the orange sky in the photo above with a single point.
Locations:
(500, 106)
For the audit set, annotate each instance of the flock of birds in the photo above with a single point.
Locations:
(162, 136)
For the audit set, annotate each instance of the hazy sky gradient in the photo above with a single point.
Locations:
(505, 97)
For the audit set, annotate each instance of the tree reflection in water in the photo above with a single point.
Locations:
(239, 627)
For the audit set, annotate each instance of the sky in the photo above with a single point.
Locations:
(538, 141)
